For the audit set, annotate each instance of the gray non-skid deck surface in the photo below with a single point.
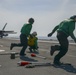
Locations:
(10, 67)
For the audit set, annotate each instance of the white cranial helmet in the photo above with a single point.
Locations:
(34, 33)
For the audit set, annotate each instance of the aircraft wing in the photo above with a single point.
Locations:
(9, 32)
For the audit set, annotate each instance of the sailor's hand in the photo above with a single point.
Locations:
(50, 34)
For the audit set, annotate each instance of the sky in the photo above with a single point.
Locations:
(47, 14)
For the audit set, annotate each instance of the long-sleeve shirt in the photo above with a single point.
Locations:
(26, 29)
(67, 26)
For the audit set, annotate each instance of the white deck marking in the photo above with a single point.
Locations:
(2, 50)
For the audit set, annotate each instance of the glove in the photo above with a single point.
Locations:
(50, 34)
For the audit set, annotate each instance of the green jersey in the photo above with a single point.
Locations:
(26, 29)
(67, 26)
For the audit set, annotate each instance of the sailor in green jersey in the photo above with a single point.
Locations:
(25, 32)
(64, 30)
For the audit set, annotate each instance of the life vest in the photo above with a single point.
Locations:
(31, 41)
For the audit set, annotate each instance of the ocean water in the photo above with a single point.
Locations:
(47, 38)
(39, 37)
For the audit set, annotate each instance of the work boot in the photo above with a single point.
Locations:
(57, 63)
(11, 47)
(22, 55)
(52, 50)
(30, 49)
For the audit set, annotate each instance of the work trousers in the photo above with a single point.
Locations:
(23, 43)
(63, 41)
